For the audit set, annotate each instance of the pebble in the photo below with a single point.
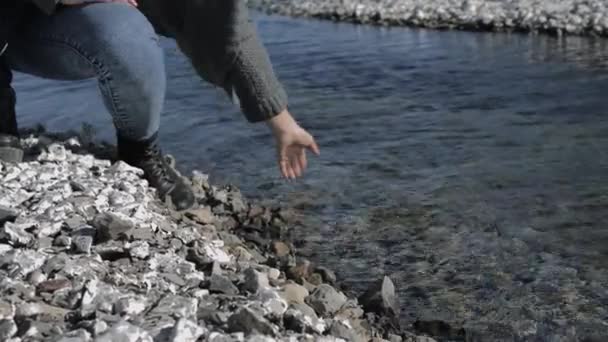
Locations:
(566, 16)
(326, 300)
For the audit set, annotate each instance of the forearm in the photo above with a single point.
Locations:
(223, 46)
(251, 76)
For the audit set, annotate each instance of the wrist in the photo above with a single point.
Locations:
(282, 122)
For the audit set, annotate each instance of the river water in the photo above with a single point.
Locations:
(470, 167)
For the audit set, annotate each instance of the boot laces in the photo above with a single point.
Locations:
(157, 165)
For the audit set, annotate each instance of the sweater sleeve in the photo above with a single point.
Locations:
(48, 6)
(223, 46)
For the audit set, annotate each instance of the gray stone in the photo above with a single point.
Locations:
(255, 281)
(131, 306)
(381, 298)
(8, 329)
(7, 215)
(62, 241)
(221, 284)
(302, 323)
(294, 293)
(328, 275)
(7, 310)
(79, 335)
(186, 331)
(42, 311)
(249, 322)
(82, 244)
(395, 338)
(111, 227)
(274, 306)
(139, 249)
(344, 329)
(172, 305)
(124, 332)
(21, 262)
(98, 296)
(326, 300)
(16, 234)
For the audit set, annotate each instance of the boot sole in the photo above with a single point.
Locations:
(11, 154)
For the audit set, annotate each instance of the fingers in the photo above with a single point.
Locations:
(302, 159)
(314, 147)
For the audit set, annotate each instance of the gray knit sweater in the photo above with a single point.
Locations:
(223, 46)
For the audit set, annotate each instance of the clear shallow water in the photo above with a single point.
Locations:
(471, 167)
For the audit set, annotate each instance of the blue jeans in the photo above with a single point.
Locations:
(111, 42)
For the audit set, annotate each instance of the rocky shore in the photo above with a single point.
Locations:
(577, 17)
(87, 253)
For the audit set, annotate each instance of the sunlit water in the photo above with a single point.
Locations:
(470, 167)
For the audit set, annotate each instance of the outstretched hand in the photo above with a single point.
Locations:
(82, 2)
(292, 141)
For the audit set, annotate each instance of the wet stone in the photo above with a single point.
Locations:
(381, 298)
(327, 275)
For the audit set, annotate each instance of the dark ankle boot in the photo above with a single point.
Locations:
(147, 156)
(10, 146)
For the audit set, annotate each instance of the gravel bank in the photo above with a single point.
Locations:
(578, 17)
(88, 254)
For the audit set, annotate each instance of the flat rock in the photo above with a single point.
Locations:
(301, 322)
(16, 234)
(221, 284)
(294, 293)
(345, 330)
(79, 335)
(173, 305)
(255, 281)
(42, 311)
(7, 310)
(326, 300)
(111, 227)
(7, 215)
(8, 329)
(249, 322)
(280, 249)
(201, 215)
(124, 332)
(82, 244)
(186, 331)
